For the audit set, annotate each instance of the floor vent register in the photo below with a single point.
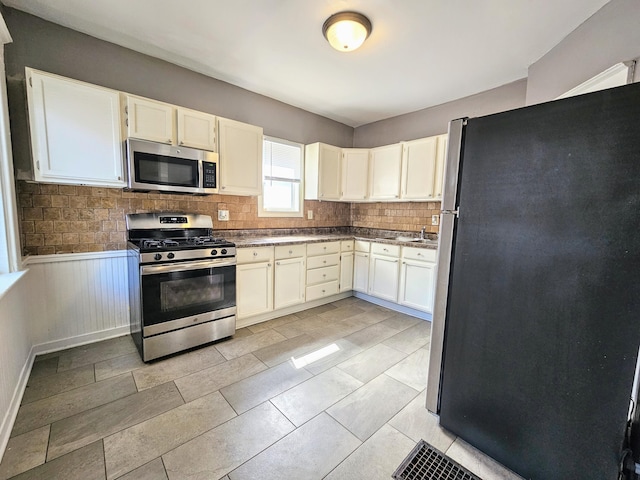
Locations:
(426, 463)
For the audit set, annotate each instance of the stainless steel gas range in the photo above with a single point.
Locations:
(182, 283)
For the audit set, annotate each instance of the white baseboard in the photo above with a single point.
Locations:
(394, 306)
(14, 406)
(92, 337)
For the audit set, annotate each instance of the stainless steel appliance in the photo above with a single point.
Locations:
(182, 283)
(536, 322)
(157, 166)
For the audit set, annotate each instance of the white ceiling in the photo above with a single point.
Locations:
(421, 52)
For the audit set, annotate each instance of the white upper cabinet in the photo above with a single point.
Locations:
(165, 123)
(196, 129)
(149, 120)
(355, 170)
(322, 172)
(418, 168)
(384, 172)
(443, 141)
(240, 157)
(75, 131)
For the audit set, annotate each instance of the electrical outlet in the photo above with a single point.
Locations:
(223, 215)
(435, 219)
(309, 214)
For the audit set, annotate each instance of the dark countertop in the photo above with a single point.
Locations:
(265, 241)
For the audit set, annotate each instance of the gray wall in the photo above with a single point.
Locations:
(52, 48)
(435, 120)
(610, 36)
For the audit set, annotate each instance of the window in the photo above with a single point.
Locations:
(281, 179)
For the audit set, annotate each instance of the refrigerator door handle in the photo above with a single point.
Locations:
(450, 212)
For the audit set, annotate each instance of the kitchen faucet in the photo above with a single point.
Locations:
(422, 233)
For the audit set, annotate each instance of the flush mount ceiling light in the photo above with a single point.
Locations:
(346, 31)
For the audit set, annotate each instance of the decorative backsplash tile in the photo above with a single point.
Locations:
(70, 219)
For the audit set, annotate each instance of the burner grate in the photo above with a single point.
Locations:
(426, 463)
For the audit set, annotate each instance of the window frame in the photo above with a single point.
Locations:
(280, 214)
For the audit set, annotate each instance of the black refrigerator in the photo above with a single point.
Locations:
(536, 323)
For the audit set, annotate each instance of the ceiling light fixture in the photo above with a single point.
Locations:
(346, 31)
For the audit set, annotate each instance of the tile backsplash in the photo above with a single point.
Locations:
(71, 219)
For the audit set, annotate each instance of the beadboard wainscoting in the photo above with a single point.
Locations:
(85, 298)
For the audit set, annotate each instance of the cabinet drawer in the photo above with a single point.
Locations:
(384, 249)
(290, 251)
(362, 246)
(322, 248)
(254, 254)
(322, 290)
(322, 275)
(346, 246)
(424, 254)
(323, 261)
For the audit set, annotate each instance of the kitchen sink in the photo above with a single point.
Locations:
(408, 239)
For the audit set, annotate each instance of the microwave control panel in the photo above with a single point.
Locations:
(209, 173)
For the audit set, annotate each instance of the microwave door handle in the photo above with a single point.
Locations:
(183, 267)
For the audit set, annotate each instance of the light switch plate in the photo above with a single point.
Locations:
(309, 214)
(435, 219)
(223, 215)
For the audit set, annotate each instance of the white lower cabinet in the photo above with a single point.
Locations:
(417, 278)
(254, 281)
(346, 265)
(361, 266)
(323, 269)
(384, 271)
(289, 276)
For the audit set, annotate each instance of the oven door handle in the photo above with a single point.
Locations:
(183, 267)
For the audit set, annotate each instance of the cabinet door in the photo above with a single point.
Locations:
(417, 285)
(240, 158)
(196, 129)
(443, 141)
(289, 283)
(355, 171)
(384, 172)
(329, 172)
(346, 271)
(383, 277)
(254, 289)
(149, 120)
(418, 168)
(75, 131)
(361, 272)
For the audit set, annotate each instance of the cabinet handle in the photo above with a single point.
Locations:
(324, 261)
(223, 188)
(404, 263)
(385, 249)
(290, 252)
(277, 263)
(268, 264)
(324, 275)
(181, 142)
(395, 261)
(126, 108)
(255, 254)
(169, 141)
(420, 255)
(323, 291)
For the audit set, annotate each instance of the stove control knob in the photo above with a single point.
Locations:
(157, 256)
(214, 252)
(170, 255)
(223, 251)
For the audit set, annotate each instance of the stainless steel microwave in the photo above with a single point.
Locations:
(168, 168)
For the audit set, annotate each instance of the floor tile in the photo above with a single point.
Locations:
(341, 313)
(346, 351)
(43, 367)
(284, 350)
(262, 386)
(479, 463)
(303, 402)
(376, 458)
(335, 330)
(312, 312)
(411, 339)
(153, 470)
(412, 370)
(87, 427)
(370, 336)
(24, 452)
(214, 378)
(241, 346)
(118, 365)
(63, 405)
(168, 369)
(86, 463)
(224, 448)
(299, 327)
(308, 453)
(417, 423)
(42, 386)
(276, 322)
(383, 398)
(372, 362)
(138, 445)
(242, 332)
(370, 317)
(95, 352)
(400, 321)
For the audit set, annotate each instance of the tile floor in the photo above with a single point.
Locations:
(240, 408)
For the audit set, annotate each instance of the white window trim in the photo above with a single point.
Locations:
(10, 257)
(300, 213)
(615, 76)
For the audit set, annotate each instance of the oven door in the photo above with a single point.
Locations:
(179, 295)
